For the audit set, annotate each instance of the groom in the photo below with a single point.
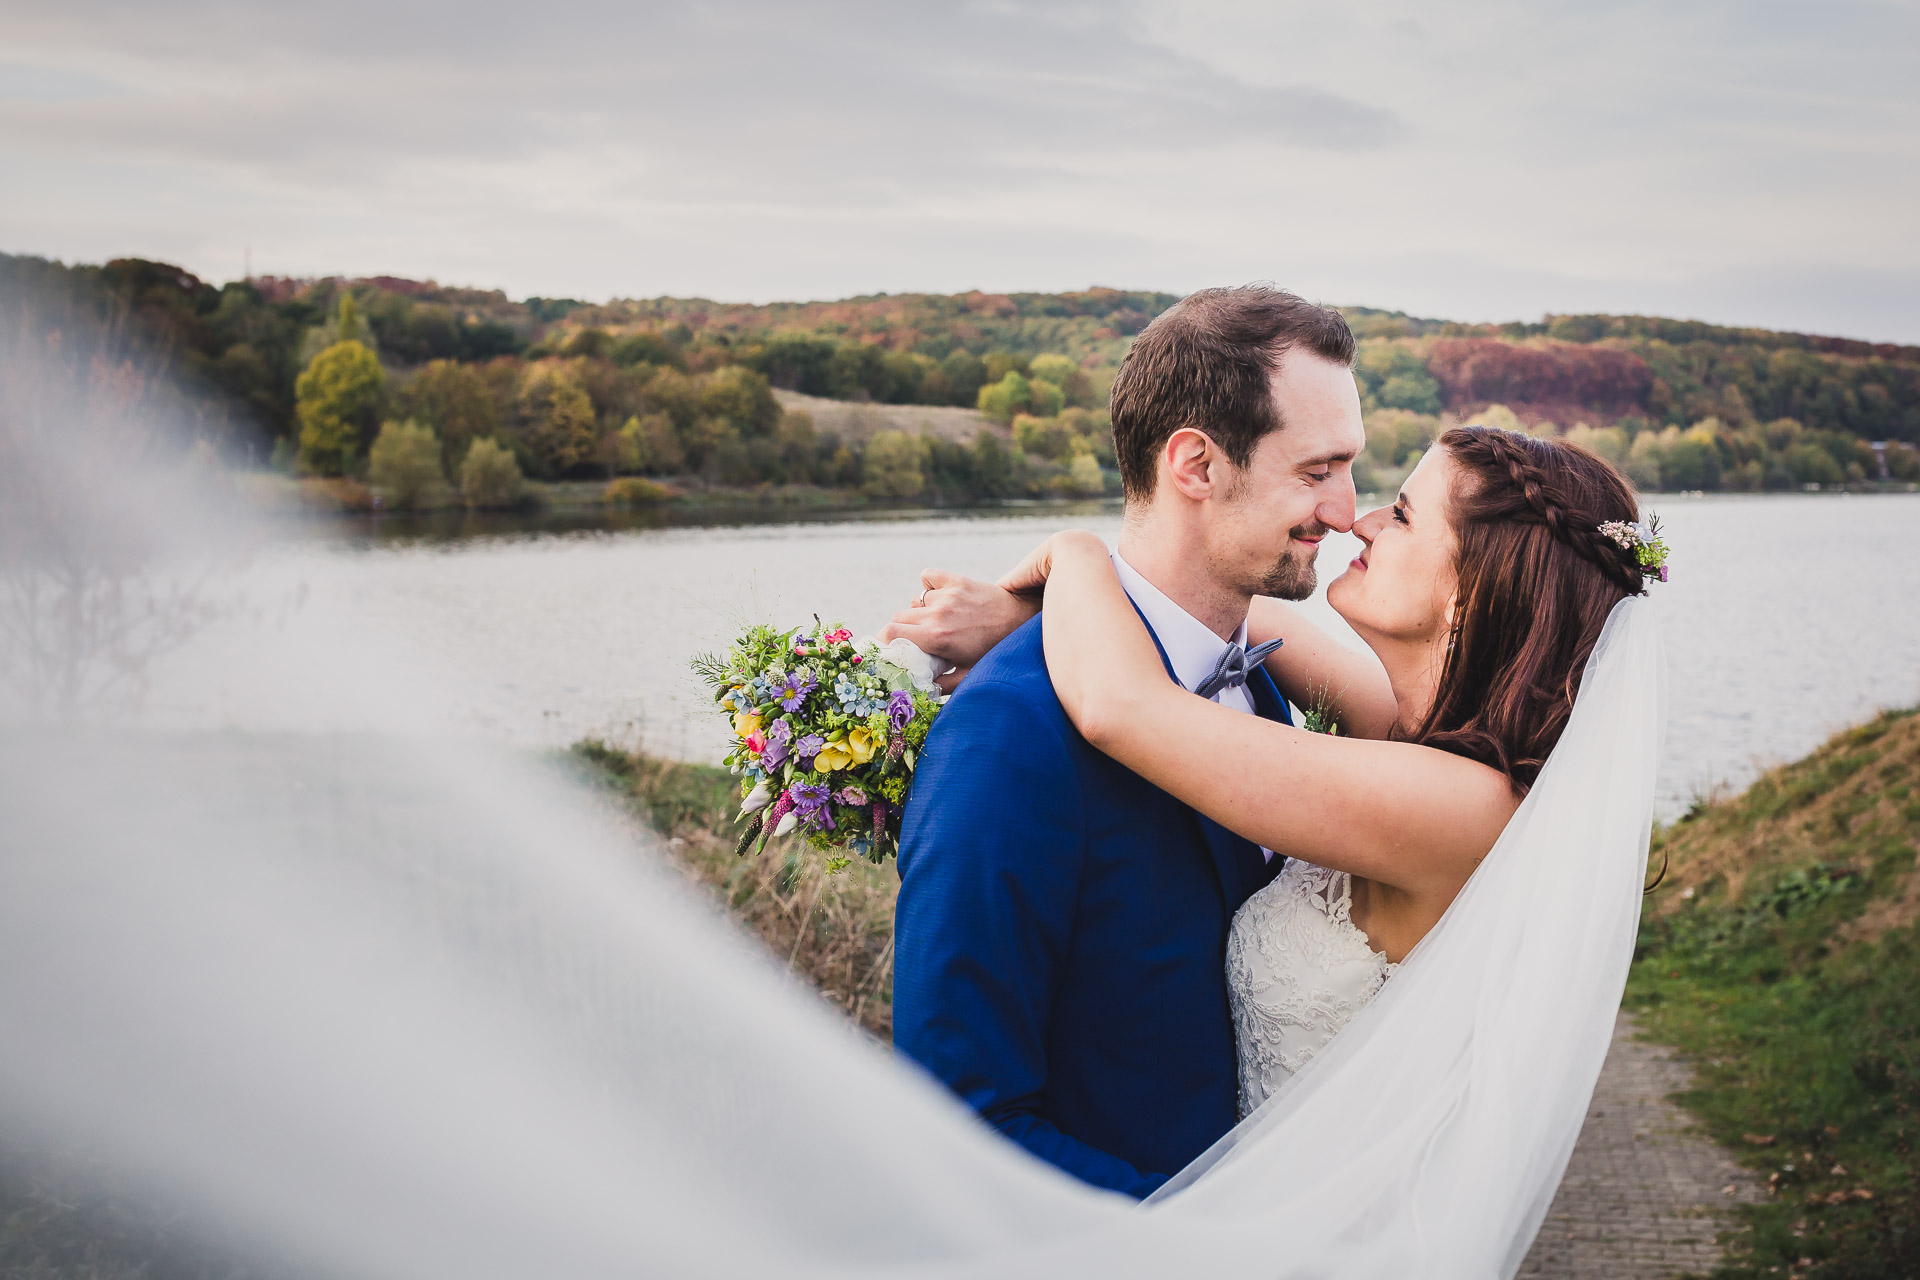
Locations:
(1061, 931)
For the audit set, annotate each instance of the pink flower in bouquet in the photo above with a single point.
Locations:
(756, 743)
(841, 636)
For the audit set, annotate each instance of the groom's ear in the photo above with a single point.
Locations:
(1192, 463)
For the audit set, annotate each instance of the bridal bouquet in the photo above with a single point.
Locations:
(825, 734)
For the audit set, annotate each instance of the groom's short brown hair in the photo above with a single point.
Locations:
(1205, 363)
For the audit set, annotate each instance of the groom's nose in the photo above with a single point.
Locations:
(1337, 510)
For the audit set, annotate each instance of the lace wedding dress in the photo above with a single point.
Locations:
(1298, 969)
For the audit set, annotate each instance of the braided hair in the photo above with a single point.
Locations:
(1536, 581)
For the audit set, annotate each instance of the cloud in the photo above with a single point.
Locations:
(759, 150)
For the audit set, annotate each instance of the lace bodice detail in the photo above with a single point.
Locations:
(1298, 969)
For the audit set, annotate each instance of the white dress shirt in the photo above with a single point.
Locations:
(1192, 647)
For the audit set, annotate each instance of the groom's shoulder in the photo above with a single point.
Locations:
(1018, 659)
(1010, 682)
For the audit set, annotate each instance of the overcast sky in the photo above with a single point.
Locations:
(1745, 162)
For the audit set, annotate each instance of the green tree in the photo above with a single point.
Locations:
(799, 446)
(1001, 400)
(906, 374)
(490, 476)
(1393, 376)
(645, 348)
(893, 466)
(992, 466)
(455, 400)
(1075, 387)
(557, 421)
(348, 325)
(966, 374)
(998, 364)
(1605, 442)
(1644, 459)
(1691, 463)
(1903, 462)
(1497, 415)
(404, 466)
(1413, 391)
(1044, 398)
(1085, 478)
(858, 371)
(1808, 463)
(742, 397)
(1050, 438)
(337, 399)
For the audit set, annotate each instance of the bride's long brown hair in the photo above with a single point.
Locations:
(1537, 580)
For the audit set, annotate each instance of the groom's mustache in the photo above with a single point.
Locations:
(1310, 532)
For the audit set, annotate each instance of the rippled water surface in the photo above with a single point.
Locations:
(1787, 617)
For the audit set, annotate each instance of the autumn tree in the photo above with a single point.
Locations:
(557, 422)
(404, 466)
(337, 400)
(893, 466)
(455, 401)
(490, 476)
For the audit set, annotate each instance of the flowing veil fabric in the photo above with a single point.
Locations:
(393, 1008)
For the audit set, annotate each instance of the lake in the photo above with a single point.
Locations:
(1788, 617)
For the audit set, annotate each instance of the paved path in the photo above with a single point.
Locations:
(1644, 1195)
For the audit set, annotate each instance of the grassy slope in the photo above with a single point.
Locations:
(836, 931)
(1782, 955)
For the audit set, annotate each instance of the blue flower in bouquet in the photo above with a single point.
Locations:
(855, 699)
(791, 688)
(779, 742)
(813, 804)
(899, 710)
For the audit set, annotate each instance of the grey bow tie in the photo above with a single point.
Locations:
(1231, 671)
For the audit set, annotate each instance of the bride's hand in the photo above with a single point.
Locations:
(957, 620)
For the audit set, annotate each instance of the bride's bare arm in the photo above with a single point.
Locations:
(1403, 815)
(1313, 667)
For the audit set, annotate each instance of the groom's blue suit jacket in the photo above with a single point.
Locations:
(1060, 941)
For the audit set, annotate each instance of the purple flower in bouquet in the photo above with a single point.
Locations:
(807, 748)
(812, 802)
(779, 741)
(791, 689)
(900, 709)
(851, 795)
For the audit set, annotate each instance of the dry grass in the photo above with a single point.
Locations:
(836, 931)
(1854, 804)
(854, 421)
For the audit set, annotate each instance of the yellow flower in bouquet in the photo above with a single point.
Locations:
(856, 748)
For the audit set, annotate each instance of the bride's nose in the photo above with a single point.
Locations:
(1367, 527)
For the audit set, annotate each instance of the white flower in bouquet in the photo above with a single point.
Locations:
(920, 667)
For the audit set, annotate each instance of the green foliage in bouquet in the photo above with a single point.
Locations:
(826, 733)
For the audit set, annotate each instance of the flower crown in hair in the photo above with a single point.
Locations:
(1644, 540)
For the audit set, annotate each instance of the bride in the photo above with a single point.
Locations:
(1482, 590)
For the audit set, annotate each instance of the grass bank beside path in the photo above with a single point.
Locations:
(1782, 956)
(836, 931)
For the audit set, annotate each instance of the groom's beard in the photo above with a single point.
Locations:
(1292, 576)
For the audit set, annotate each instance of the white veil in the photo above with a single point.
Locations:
(398, 1009)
